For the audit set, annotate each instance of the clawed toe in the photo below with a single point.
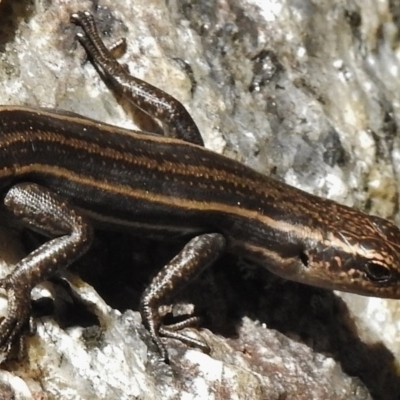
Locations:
(166, 331)
(18, 312)
(10, 329)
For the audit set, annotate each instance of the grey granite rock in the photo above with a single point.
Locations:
(305, 90)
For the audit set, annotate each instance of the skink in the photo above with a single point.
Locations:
(62, 174)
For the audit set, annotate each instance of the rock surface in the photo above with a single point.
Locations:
(305, 90)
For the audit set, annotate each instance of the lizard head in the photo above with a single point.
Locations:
(362, 258)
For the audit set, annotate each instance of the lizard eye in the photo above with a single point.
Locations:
(377, 273)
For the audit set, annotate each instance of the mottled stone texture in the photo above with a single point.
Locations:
(306, 90)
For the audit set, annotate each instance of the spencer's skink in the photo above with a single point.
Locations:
(62, 174)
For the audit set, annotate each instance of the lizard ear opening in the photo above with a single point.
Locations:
(304, 259)
(377, 272)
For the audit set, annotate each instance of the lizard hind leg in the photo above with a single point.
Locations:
(44, 211)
